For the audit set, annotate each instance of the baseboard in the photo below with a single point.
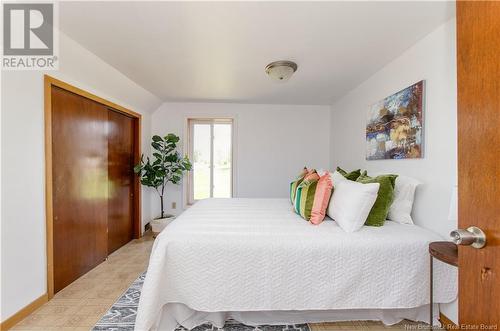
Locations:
(447, 323)
(20, 315)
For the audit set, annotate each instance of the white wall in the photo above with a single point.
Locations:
(23, 258)
(273, 142)
(434, 60)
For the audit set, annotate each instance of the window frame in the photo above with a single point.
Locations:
(190, 145)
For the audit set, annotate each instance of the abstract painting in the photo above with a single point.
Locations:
(395, 125)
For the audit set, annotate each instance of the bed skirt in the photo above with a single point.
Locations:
(175, 314)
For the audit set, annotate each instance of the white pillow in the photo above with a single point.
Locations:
(351, 202)
(404, 195)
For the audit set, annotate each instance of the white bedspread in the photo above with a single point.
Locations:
(257, 255)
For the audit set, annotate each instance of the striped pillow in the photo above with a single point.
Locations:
(296, 183)
(313, 196)
(304, 197)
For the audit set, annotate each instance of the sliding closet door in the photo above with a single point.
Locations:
(80, 185)
(120, 179)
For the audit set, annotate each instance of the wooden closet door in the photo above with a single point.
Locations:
(120, 179)
(80, 185)
(478, 49)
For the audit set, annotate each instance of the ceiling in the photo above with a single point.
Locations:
(217, 51)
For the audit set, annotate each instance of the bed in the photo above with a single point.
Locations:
(256, 261)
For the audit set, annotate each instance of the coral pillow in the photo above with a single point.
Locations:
(321, 198)
(312, 197)
(312, 175)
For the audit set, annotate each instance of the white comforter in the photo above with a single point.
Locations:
(257, 255)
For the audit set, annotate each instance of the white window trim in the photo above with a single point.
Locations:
(188, 145)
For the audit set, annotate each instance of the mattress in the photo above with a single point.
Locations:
(229, 255)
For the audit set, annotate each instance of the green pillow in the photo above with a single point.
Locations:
(385, 196)
(305, 197)
(295, 184)
(353, 175)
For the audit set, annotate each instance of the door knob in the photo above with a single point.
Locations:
(473, 236)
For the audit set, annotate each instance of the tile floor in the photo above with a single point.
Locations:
(80, 305)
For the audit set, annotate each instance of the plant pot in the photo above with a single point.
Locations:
(157, 225)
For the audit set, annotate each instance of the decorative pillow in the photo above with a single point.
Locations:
(321, 172)
(353, 175)
(404, 194)
(385, 196)
(321, 198)
(351, 202)
(296, 183)
(304, 197)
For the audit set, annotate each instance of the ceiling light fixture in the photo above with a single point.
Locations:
(281, 70)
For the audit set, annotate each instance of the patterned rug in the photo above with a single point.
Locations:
(121, 316)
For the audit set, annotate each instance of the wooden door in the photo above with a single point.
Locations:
(80, 190)
(121, 180)
(478, 51)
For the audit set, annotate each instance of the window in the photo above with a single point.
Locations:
(210, 151)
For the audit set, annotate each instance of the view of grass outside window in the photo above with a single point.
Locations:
(212, 162)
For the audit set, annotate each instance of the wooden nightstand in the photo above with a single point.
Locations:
(444, 251)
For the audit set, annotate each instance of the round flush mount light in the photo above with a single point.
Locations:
(281, 70)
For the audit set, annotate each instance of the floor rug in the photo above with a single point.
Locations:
(121, 316)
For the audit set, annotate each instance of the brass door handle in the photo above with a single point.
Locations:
(472, 236)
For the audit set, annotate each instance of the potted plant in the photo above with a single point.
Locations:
(167, 166)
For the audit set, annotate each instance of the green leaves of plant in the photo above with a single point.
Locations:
(172, 138)
(137, 168)
(174, 157)
(167, 165)
(186, 163)
(157, 138)
(156, 145)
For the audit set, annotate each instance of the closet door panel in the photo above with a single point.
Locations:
(80, 185)
(120, 179)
